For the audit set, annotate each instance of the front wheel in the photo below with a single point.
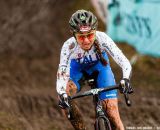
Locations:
(102, 124)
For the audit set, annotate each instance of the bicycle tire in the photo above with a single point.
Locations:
(102, 124)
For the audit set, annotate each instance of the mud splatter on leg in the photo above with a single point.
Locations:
(111, 107)
(75, 115)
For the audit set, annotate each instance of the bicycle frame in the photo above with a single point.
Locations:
(100, 113)
(97, 103)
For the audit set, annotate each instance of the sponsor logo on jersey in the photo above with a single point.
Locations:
(87, 59)
(79, 55)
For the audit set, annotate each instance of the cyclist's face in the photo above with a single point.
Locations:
(85, 39)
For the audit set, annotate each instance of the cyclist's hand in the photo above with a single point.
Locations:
(63, 101)
(125, 86)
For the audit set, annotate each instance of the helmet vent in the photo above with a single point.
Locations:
(86, 14)
(75, 20)
(78, 16)
(90, 19)
(83, 21)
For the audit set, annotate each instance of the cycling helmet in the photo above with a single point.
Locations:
(82, 21)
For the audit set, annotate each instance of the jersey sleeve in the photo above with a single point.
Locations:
(117, 55)
(63, 69)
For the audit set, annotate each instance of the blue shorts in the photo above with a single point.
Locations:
(105, 77)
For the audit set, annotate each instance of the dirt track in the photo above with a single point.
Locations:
(31, 35)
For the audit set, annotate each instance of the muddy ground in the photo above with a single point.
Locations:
(31, 36)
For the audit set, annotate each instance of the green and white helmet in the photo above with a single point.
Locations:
(83, 21)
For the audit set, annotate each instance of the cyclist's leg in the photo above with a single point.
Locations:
(111, 107)
(75, 115)
(110, 102)
(72, 88)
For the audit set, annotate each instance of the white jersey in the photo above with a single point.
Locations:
(72, 50)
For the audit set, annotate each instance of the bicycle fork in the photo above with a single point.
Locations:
(99, 110)
(101, 115)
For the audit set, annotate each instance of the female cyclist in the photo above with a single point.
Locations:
(87, 51)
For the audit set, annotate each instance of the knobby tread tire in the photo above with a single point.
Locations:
(102, 124)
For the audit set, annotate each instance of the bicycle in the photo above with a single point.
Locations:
(102, 122)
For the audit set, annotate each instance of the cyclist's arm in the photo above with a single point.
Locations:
(63, 69)
(118, 56)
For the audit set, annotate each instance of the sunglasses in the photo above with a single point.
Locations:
(81, 37)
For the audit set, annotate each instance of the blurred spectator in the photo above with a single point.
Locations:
(101, 9)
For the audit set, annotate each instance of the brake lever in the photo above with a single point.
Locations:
(128, 102)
